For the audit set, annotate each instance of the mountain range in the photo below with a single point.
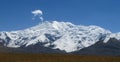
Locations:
(61, 37)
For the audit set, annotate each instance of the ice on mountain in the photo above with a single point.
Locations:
(63, 35)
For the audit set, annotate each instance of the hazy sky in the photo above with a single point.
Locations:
(16, 14)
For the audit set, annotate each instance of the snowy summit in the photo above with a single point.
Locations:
(63, 35)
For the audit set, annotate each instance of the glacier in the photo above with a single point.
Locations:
(63, 35)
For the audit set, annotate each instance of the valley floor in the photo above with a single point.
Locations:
(8, 57)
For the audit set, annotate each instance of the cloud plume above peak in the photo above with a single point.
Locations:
(37, 13)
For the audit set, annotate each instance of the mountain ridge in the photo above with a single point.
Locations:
(64, 36)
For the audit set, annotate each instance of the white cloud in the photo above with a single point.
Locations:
(41, 18)
(37, 12)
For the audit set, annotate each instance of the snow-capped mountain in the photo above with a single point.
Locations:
(61, 35)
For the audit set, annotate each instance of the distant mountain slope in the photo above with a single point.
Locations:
(112, 47)
(56, 36)
(37, 48)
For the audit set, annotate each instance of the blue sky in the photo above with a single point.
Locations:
(16, 14)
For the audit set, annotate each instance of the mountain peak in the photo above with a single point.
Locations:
(63, 35)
